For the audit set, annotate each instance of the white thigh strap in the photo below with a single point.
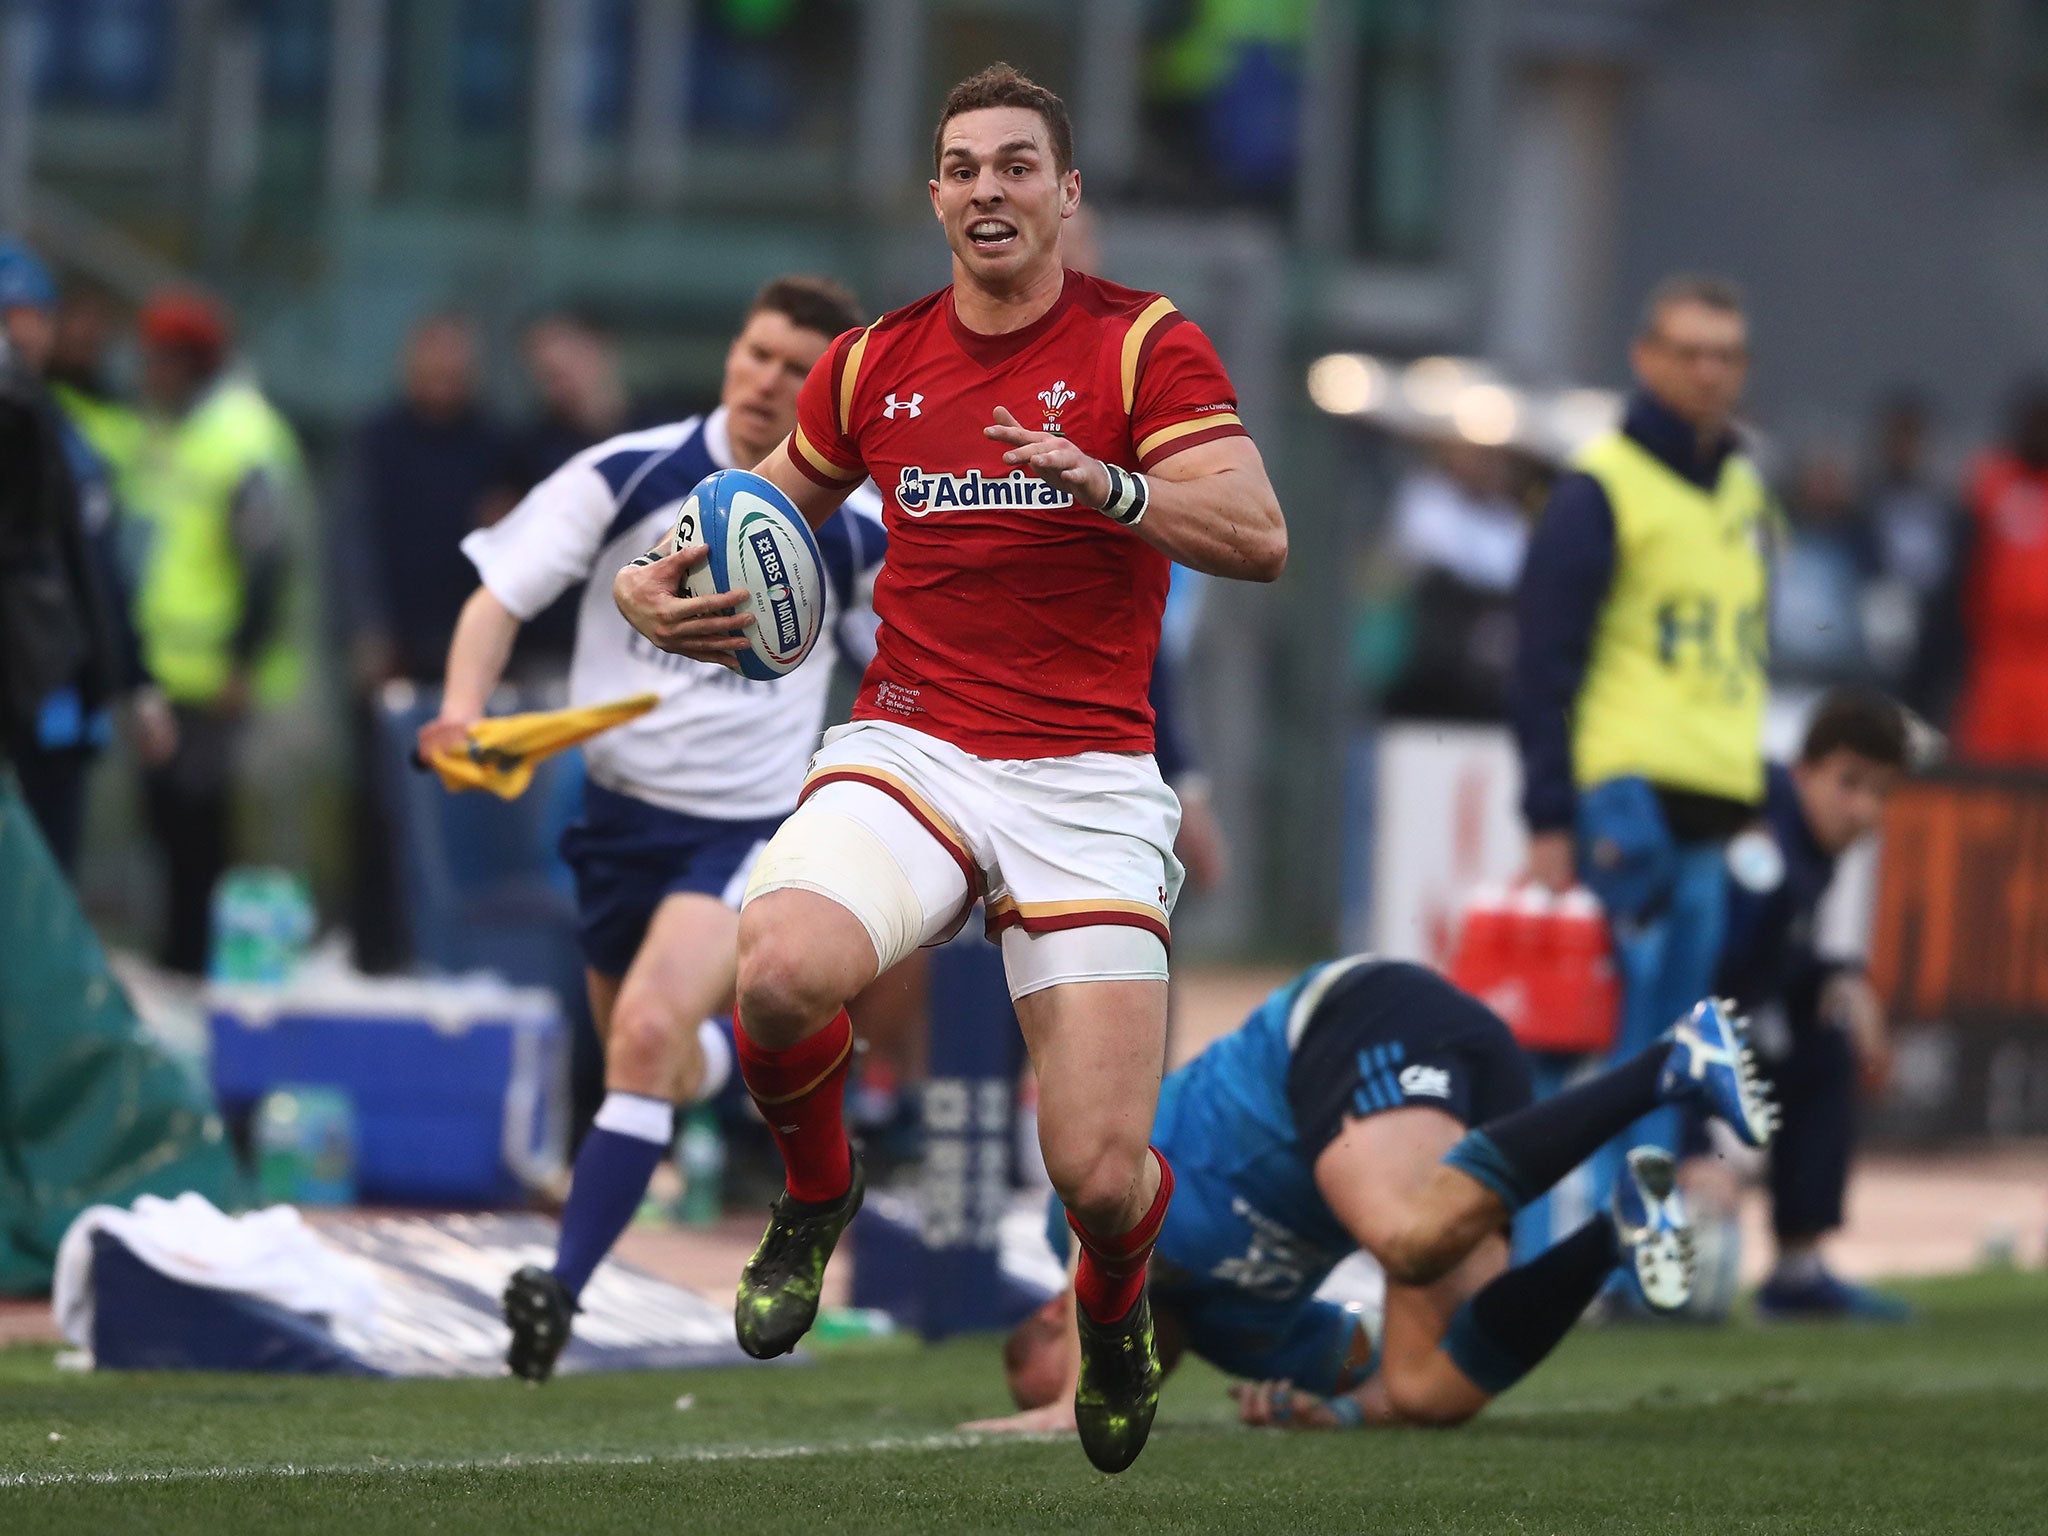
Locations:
(827, 851)
(1099, 952)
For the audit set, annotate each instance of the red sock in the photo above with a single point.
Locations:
(800, 1091)
(1112, 1270)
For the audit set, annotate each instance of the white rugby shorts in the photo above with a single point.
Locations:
(1071, 857)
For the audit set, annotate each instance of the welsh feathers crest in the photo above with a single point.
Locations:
(1055, 400)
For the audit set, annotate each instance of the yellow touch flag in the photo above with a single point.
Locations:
(502, 751)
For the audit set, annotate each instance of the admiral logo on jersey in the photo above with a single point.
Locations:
(919, 491)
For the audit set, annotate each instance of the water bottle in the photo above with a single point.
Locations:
(846, 1325)
(262, 924)
(701, 1160)
(306, 1146)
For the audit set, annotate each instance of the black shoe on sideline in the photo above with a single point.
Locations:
(538, 1308)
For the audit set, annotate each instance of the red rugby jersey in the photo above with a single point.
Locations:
(1014, 622)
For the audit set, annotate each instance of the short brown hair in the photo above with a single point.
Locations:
(814, 303)
(1862, 721)
(1001, 85)
(1700, 288)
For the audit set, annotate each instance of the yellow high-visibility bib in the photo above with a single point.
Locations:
(178, 481)
(1674, 686)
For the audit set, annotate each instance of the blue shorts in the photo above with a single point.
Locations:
(1398, 1036)
(1321, 1346)
(629, 856)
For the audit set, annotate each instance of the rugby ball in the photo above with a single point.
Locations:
(758, 543)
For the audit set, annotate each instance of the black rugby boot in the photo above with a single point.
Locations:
(538, 1308)
(778, 1296)
(1119, 1388)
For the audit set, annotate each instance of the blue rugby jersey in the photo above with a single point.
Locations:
(1246, 1210)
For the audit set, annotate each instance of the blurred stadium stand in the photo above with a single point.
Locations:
(1411, 177)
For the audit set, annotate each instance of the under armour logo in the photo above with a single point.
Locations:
(891, 405)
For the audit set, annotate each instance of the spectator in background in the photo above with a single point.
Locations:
(1817, 590)
(2002, 713)
(79, 373)
(1910, 540)
(66, 648)
(1817, 1024)
(209, 476)
(573, 370)
(1230, 81)
(1639, 694)
(1459, 535)
(424, 472)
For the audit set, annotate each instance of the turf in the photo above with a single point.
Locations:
(1939, 1427)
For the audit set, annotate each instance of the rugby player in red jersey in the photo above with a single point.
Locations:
(1046, 445)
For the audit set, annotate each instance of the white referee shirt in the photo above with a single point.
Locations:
(718, 745)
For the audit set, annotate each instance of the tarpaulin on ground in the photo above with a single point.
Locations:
(92, 1111)
(181, 1287)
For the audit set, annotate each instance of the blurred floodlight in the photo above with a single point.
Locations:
(1345, 383)
(1432, 385)
(1579, 415)
(1487, 414)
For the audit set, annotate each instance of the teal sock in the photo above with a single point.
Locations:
(1521, 1154)
(1505, 1330)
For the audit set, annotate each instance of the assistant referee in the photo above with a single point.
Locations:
(1640, 675)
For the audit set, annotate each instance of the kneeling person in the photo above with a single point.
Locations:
(680, 802)
(1371, 1105)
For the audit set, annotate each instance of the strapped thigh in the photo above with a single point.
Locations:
(854, 844)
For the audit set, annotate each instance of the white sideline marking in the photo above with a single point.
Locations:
(1751, 1395)
(708, 1453)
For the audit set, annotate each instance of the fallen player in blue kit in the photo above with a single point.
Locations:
(1371, 1105)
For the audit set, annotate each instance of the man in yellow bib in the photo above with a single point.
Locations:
(1640, 678)
(211, 474)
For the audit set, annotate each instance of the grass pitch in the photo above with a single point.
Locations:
(1939, 1427)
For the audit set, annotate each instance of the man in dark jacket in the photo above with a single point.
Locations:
(67, 650)
(427, 470)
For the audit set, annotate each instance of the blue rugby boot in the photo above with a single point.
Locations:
(1711, 1063)
(1825, 1297)
(1649, 1219)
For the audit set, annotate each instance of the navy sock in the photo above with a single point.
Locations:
(1522, 1154)
(1501, 1334)
(612, 1173)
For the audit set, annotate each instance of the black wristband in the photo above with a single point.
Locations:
(1128, 495)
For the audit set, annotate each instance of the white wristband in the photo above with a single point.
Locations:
(1128, 495)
